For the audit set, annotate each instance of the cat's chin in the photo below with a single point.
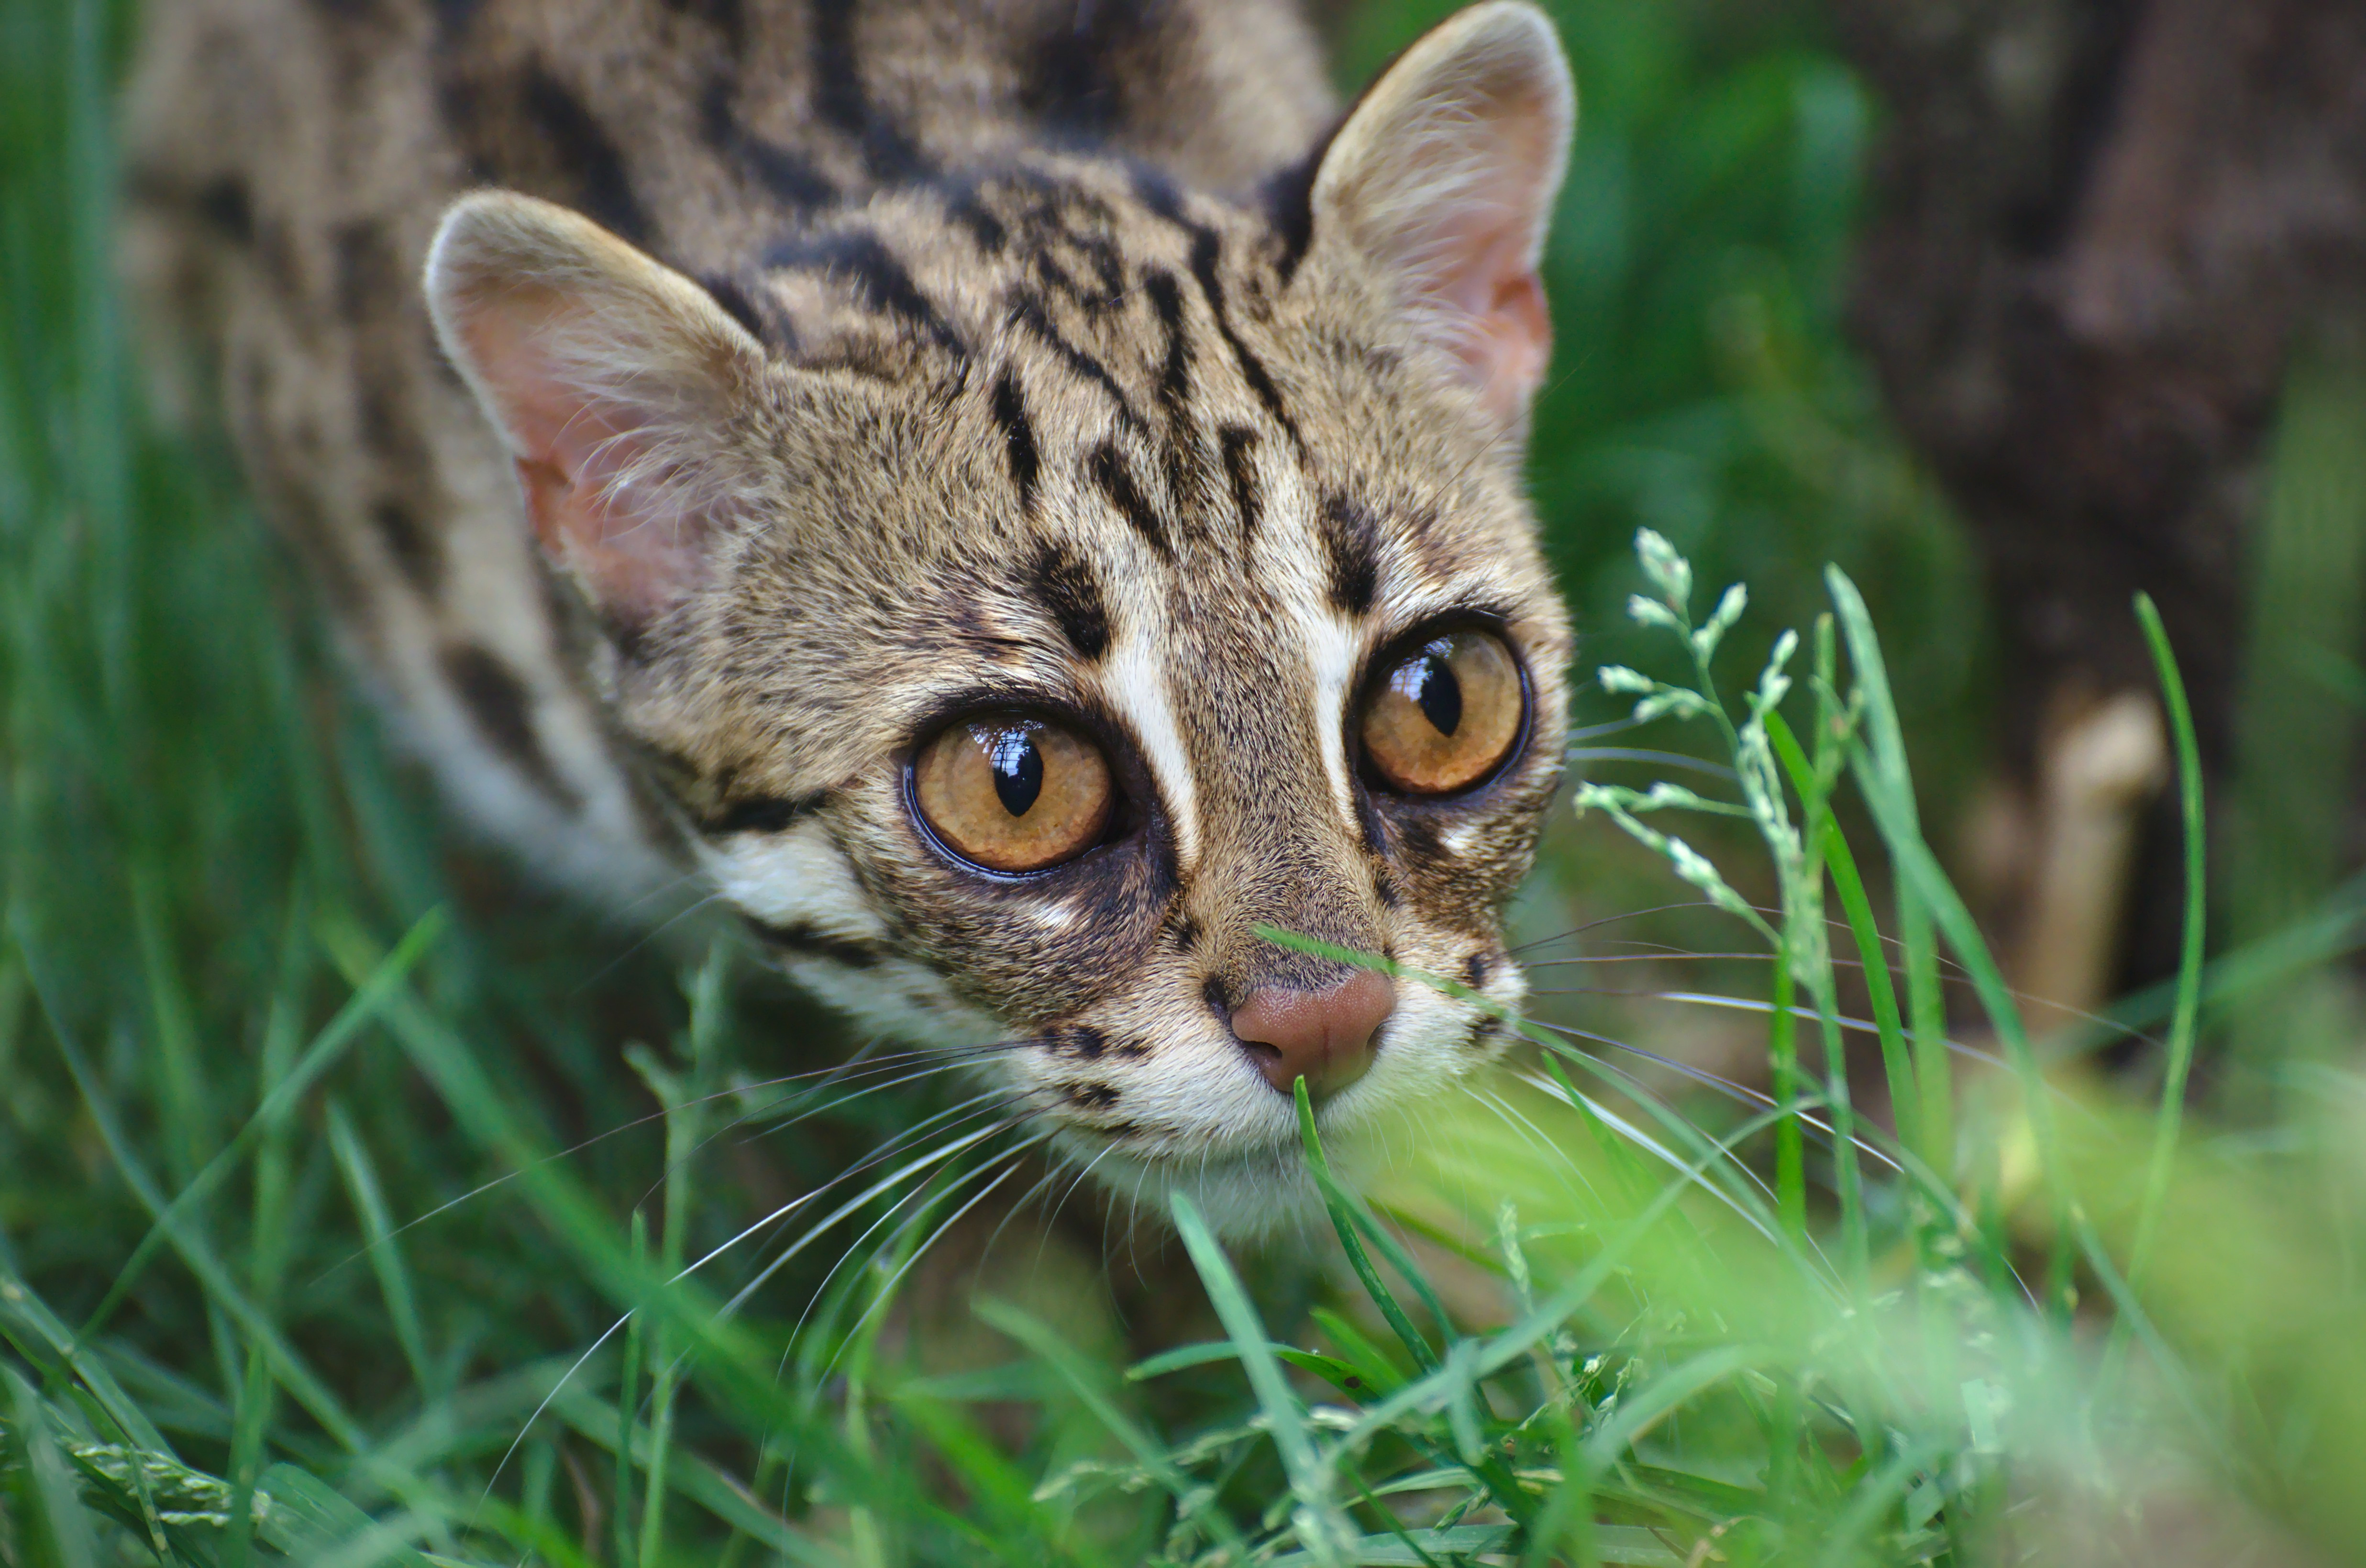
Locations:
(1249, 1195)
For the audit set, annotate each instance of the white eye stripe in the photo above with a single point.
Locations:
(1137, 688)
(1330, 649)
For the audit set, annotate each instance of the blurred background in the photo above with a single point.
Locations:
(2007, 307)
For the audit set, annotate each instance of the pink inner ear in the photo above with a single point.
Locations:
(581, 456)
(1502, 332)
(1466, 253)
(636, 563)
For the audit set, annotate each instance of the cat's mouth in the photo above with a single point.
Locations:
(1244, 1103)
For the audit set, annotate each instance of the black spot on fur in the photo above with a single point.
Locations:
(1384, 888)
(807, 941)
(1486, 1029)
(1218, 996)
(1083, 1043)
(841, 101)
(1064, 583)
(1237, 444)
(1110, 472)
(1352, 543)
(224, 203)
(404, 465)
(876, 274)
(1068, 238)
(1475, 973)
(1091, 1096)
(582, 147)
(499, 703)
(416, 552)
(1186, 931)
(760, 814)
(1017, 438)
(778, 170)
(1166, 300)
(967, 207)
(1420, 844)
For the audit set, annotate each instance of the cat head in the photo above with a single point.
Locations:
(1033, 587)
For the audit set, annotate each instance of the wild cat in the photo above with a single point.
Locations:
(1013, 496)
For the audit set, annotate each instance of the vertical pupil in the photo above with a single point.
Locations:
(1018, 770)
(1437, 693)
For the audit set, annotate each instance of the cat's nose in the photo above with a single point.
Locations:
(1324, 1037)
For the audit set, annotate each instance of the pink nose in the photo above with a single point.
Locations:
(1324, 1037)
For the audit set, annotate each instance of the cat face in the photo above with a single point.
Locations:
(1031, 588)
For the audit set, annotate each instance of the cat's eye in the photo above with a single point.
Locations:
(1013, 793)
(1442, 715)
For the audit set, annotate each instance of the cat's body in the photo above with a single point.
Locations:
(1019, 365)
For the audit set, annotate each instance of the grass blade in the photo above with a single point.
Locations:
(385, 1248)
(1320, 1526)
(2188, 965)
(56, 1529)
(1343, 1220)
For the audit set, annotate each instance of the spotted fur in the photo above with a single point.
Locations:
(1035, 353)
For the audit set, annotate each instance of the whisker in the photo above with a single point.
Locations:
(526, 1431)
(1645, 1096)
(732, 1305)
(940, 1060)
(1024, 1199)
(1612, 920)
(1007, 1159)
(1665, 955)
(953, 1118)
(887, 1075)
(887, 1290)
(1644, 1141)
(933, 1158)
(1525, 1128)
(932, 1062)
(852, 1250)
(1748, 1004)
(1610, 726)
(651, 936)
(1663, 758)
(1053, 1218)
(1740, 1092)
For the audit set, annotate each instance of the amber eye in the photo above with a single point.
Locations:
(1442, 716)
(1013, 793)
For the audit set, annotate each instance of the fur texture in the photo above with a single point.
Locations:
(855, 366)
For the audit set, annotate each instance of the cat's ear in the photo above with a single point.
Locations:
(1444, 177)
(619, 386)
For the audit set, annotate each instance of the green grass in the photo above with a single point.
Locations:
(348, 1196)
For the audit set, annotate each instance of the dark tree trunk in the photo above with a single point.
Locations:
(2100, 229)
